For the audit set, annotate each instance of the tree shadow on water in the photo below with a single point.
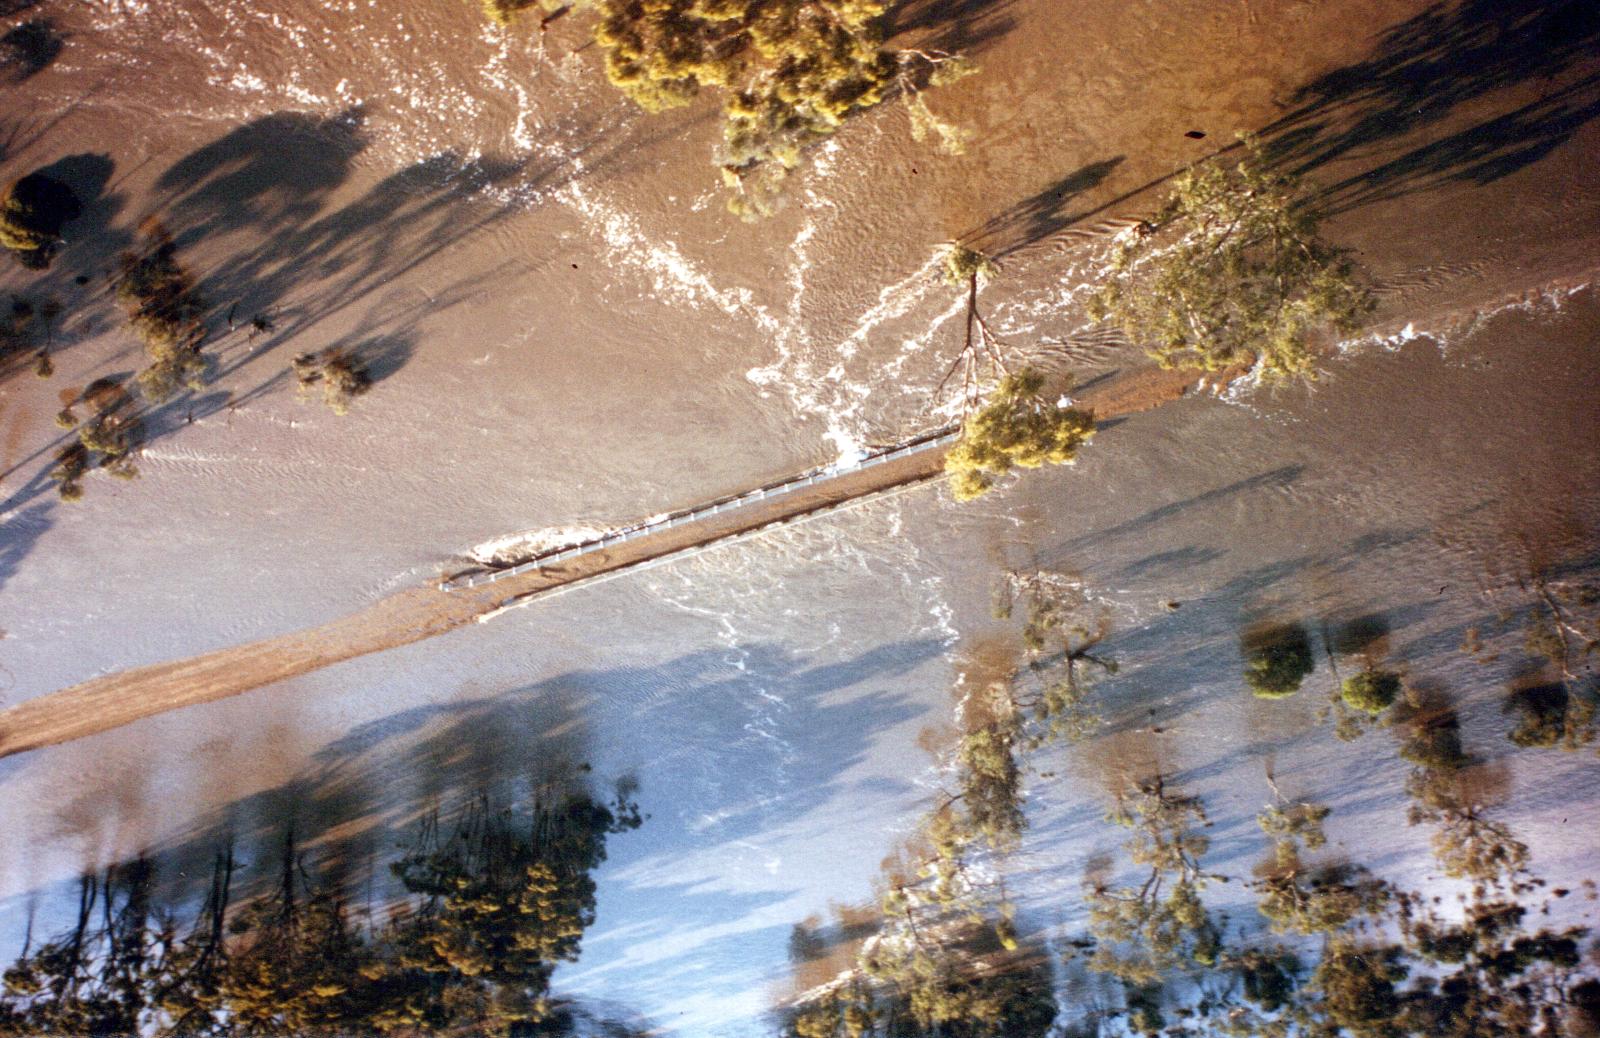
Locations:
(1427, 70)
(28, 49)
(89, 246)
(358, 797)
(19, 534)
(1038, 216)
(411, 781)
(957, 26)
(301, 256)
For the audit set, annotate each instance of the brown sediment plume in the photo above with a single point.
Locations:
(118, 699)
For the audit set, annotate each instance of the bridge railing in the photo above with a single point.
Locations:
(684, 517)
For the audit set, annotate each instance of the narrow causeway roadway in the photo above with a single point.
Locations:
(120, 698)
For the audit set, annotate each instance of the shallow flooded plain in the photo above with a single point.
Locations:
(1273, 714)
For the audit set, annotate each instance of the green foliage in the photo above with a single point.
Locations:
(962, 264)
(507, 900)
(107, 439)
(1277, 660)
(1372, 691)
(165, 313)
(340, 374)
(991, 784)
(845, 1012)
(958, 984)
(1232, 270)
(1501, 979)
(1322, 900)
(1356, 983)
(1433, 741)
(1301, 900)
(32, 212)
(1467, 843)
(1016, 428)
(1269, 977)
(790, 72)
(489, 912)
(1295, 826)
(1143, 931)
(1551, 715)
(1060, 635)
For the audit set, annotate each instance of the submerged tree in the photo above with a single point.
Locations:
(1372, 691)
(1007, 420)
(1232, 271)
(1061, 635)
(970, 270)
(1551, 715)
(107, 438)
(340, 374)
(1489, 976)
(1143, 931)
(956, 979)
(507, 899)
(1301, 899)
(165, 312)
(489, 912)
(1562, 631)
(1354, 985)
(1468, 843)
(1565, 625)
(32, 212)
(1277, 660)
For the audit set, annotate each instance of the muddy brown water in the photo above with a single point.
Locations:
(570, 331)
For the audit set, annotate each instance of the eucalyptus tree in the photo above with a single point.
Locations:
(789, 73)
(1231, 271)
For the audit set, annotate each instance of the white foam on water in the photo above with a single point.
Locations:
(673, 275)
(1548, 299)
(513, 548)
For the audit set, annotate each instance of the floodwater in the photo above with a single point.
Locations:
(568, 333)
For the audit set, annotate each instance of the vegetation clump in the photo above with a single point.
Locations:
(32, 212)
(1277, 661)
(166, 313)
(106, 439)
(1018, 427)
(1468, 843)
(340, 374)
(1372, 691)
(1550, 715)
(1061, 637)
(790, 72)
(490, 905)
(1231, 271)
(1142, 931)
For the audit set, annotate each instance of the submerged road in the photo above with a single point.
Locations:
(120, 698)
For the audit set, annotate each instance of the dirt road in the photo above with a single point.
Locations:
(410, 616)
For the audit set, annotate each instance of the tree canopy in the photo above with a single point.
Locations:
(790, 72)
(1017, 427)
(1231, 271)
(32, 212)
(166, 312)
(1277, 660)
(495, 897)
